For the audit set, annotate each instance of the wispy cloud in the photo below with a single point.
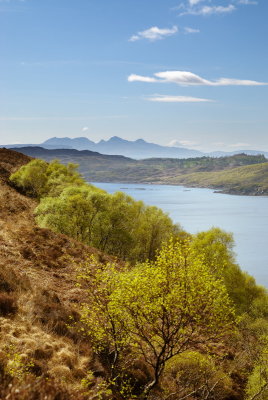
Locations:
(188, 30)
(154, 33)
(186, 78)
(241, 144)
(177, 99)
(49, 63)
(248, 2)
(209, 10)
(205, 8)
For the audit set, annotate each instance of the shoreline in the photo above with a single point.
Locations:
(216, 190)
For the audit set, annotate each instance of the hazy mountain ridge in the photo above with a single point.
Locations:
(134, 149)
(138, 149)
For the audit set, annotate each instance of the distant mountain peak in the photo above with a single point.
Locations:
(140, 141)
(77, 141)
(81, 138)
(116, 139)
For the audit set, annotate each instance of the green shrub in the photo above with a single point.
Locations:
(257, 386)
(114, 223)
(39, 178)
(195, 374)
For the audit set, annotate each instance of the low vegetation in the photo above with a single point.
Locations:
(247, 180)
(171, 317)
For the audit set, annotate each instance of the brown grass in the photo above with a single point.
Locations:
(8, 305)
(38, 389)
(37, 289)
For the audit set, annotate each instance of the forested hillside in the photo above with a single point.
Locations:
(238, 174)
(152, 313)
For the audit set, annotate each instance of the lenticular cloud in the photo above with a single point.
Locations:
(186, 78)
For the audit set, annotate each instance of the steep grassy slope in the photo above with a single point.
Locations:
(37, 294)
(239, 174)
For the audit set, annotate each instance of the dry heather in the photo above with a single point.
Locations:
(37, 298)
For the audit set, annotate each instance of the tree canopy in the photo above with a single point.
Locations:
(39, 178)
(155, 310)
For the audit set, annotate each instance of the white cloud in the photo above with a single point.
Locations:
(177, 99)
(186, 78)
(139, 78)
(209, 10)
(154, 33)
(194, 2)
(85, 129)
(188, 30)
(182, 143)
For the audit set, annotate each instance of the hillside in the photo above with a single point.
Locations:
(247, 180)
(37, 296)
(238, 174)
(105, 338)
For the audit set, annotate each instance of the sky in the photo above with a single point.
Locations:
(190, 73)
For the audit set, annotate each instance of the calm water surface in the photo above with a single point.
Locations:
(200, 209)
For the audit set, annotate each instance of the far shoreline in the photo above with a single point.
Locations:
(215, 190)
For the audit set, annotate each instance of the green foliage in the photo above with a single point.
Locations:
(71, 213)
(155, 310)
(17, 366)
(216, 248)
(31, 178)
(40, 179)
(195, 375)
(116, 224)
(257, 386)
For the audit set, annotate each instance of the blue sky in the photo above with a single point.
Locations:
(186, 72)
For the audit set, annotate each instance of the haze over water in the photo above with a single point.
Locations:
(200, 209)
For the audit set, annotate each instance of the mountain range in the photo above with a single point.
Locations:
(138, 149)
